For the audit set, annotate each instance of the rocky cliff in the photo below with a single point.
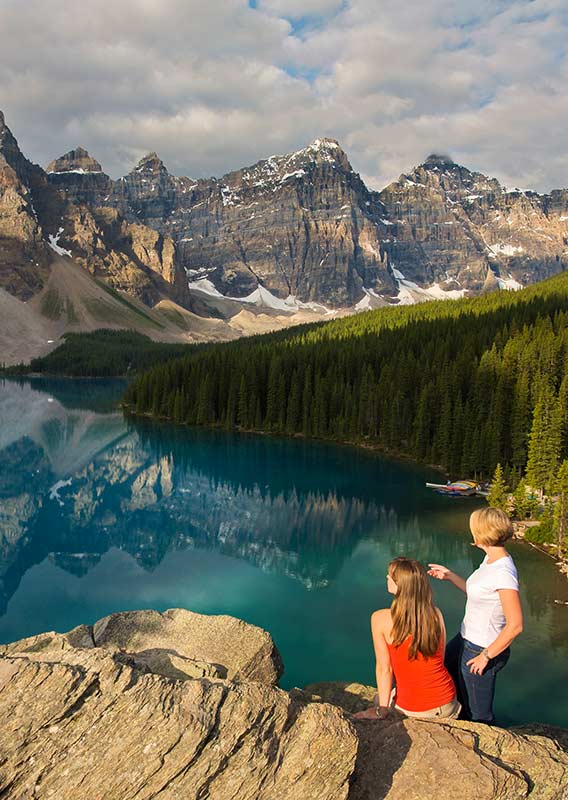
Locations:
(450, 224)
(295, 232)
(43, 216)
(301, 225)
(305, 226)
(74, 217)
(24, 254)
(148, 705)
(94, 186)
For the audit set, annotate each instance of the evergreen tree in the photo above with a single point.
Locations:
(561, 508)
(498, 492)
(243, 408)
(545, 441)
(178, 407)
(523, 506)
(293, 410)
(231, 413)
(307, 403)
(520, 420)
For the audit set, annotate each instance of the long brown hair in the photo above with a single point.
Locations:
(413, 611)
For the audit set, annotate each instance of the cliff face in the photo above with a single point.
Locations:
(301, 227)
(94, 185)
(24, 254)
(452, 224)
(305, 225)
(42, 214)
(302, 224)
(142, 704)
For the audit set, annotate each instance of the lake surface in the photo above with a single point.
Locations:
(98, 514)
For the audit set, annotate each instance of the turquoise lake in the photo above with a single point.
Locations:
(100, 514)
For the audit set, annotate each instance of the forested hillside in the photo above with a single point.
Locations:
(464, 384)
(101, 353)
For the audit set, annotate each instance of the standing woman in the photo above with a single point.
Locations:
(409, 640)
(493, 615)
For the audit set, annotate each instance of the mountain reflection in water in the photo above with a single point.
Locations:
(99, 514)
(74, 483)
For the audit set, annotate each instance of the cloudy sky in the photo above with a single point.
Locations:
(213, 85)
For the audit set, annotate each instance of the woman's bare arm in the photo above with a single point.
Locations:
(383, 669)
(443, 625)
(511, 603)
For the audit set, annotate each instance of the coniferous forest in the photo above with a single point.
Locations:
(100, 353)
(465, 384)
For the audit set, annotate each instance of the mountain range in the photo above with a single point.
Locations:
(293, 238)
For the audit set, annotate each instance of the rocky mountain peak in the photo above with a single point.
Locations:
(151, 162)
(279, 170)
(325, 150)
(77, 160)
(442, 175)
(8, 143)
(30, 175)
(439, 160)
(326, 145)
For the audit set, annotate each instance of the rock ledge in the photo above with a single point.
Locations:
(181, 705)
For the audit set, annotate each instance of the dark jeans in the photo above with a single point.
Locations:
(475, 692)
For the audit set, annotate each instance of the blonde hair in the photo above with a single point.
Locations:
(413, 611)
(490, 527)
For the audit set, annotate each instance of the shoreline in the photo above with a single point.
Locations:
(520, 528)
(374, 449)
(377, 449)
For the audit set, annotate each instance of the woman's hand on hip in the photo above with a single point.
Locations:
(478, 664)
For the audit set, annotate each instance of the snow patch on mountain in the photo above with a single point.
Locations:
(410, 293)
(370, 301)
(261, 297)
(206, 286)
(68, 171)
(504, 249)
(509, 284)
(53, 243)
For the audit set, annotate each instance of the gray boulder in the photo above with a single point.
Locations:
(175, 643)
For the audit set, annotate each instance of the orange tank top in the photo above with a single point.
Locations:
(423, 683)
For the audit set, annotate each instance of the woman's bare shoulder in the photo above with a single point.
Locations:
(381, 617)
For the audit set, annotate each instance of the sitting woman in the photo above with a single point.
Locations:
(409, 640)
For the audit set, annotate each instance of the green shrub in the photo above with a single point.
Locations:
(541, 534)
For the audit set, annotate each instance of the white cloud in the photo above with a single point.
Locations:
(215, 86)
(297, 9)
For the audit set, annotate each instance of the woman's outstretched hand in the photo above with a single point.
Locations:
(444, 574)
(440, 572)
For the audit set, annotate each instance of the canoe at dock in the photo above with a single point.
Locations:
(456, 488)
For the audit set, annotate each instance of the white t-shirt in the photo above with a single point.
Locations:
(484, 618)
